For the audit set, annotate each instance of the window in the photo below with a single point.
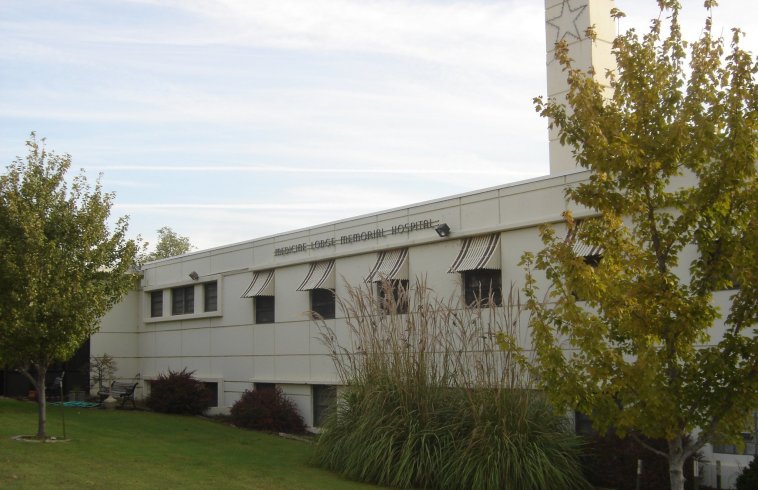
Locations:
(583, 425)
(749, 436)
(264, 386)
(393, 296)
(156, 304)
(183, 300)
(212, 388)
(210, 296)
(264, 309)
(323, 303)
(593, 260)
(324, 399)
(481, 285)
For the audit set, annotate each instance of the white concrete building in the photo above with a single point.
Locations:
(239, 315)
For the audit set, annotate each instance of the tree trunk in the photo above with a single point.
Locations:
(676, 463)
(41, 402)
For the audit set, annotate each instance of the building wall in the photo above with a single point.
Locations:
(227, 345)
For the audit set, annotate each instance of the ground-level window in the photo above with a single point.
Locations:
(749, 437)
(481, 286)
(264, 309)
(183, 300)
(212, 388)
(264, 386)
(210, 296)
(583, 425)
(323, 303)
(393, 296)
(324, 400)
(156, 304)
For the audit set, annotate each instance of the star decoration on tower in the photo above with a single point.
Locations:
(565, 21)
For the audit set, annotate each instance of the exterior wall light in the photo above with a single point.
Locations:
(443, 230)
(194, 276)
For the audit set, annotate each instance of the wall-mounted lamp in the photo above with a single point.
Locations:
(194, 276)
(443, 230)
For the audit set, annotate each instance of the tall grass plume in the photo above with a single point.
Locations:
(440, 397)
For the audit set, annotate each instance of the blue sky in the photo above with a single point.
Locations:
(230, 119)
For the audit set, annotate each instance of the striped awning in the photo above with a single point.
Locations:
(480, 252)
(321, 275)
(581, 248)
(391, 264)
(262, 285)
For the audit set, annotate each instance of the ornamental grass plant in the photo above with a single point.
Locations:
(440, 397)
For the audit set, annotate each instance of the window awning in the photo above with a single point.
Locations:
(479, 252)
(321, 275)
(391, 264)
(581, 248)
(262, 285)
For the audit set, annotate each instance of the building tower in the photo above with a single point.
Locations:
(568, 20)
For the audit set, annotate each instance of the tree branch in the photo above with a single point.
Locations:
(647, 446)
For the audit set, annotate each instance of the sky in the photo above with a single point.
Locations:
(229, 120)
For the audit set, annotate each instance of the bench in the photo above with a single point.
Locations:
(120, 390)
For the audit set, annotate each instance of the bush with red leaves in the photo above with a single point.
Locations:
(178, 392)
(267, 409)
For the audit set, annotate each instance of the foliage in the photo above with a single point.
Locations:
(170, 244)
(61, 267)
(102, 369)
(142, 450)
(267, 409)
(672, 154)
(748, 478)
(611, 462)
(432, 401)
(178, 392)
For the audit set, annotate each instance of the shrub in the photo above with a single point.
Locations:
(267, 409)
(178, 392)
(748, 479)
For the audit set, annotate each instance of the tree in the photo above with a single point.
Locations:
(672, 154)
(170, 244)
(61, 268)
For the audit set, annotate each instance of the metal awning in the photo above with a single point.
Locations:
(390, 264)
(321, 275)
(262, 285)
(480, 252)
(581, 248)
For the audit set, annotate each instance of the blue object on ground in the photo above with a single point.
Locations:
(77, 404)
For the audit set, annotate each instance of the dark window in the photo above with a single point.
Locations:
(212, 388)
(593, 260)
(324, 399)
(210, 296)
(323, 303)
(183, 300)
(583, 425)
(393, 296)
(481, 286)
(264, 309)
(264, 386)
(156, 303)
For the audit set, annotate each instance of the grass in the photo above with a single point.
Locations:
(132, 449)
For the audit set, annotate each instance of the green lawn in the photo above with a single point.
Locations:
(132, 449)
